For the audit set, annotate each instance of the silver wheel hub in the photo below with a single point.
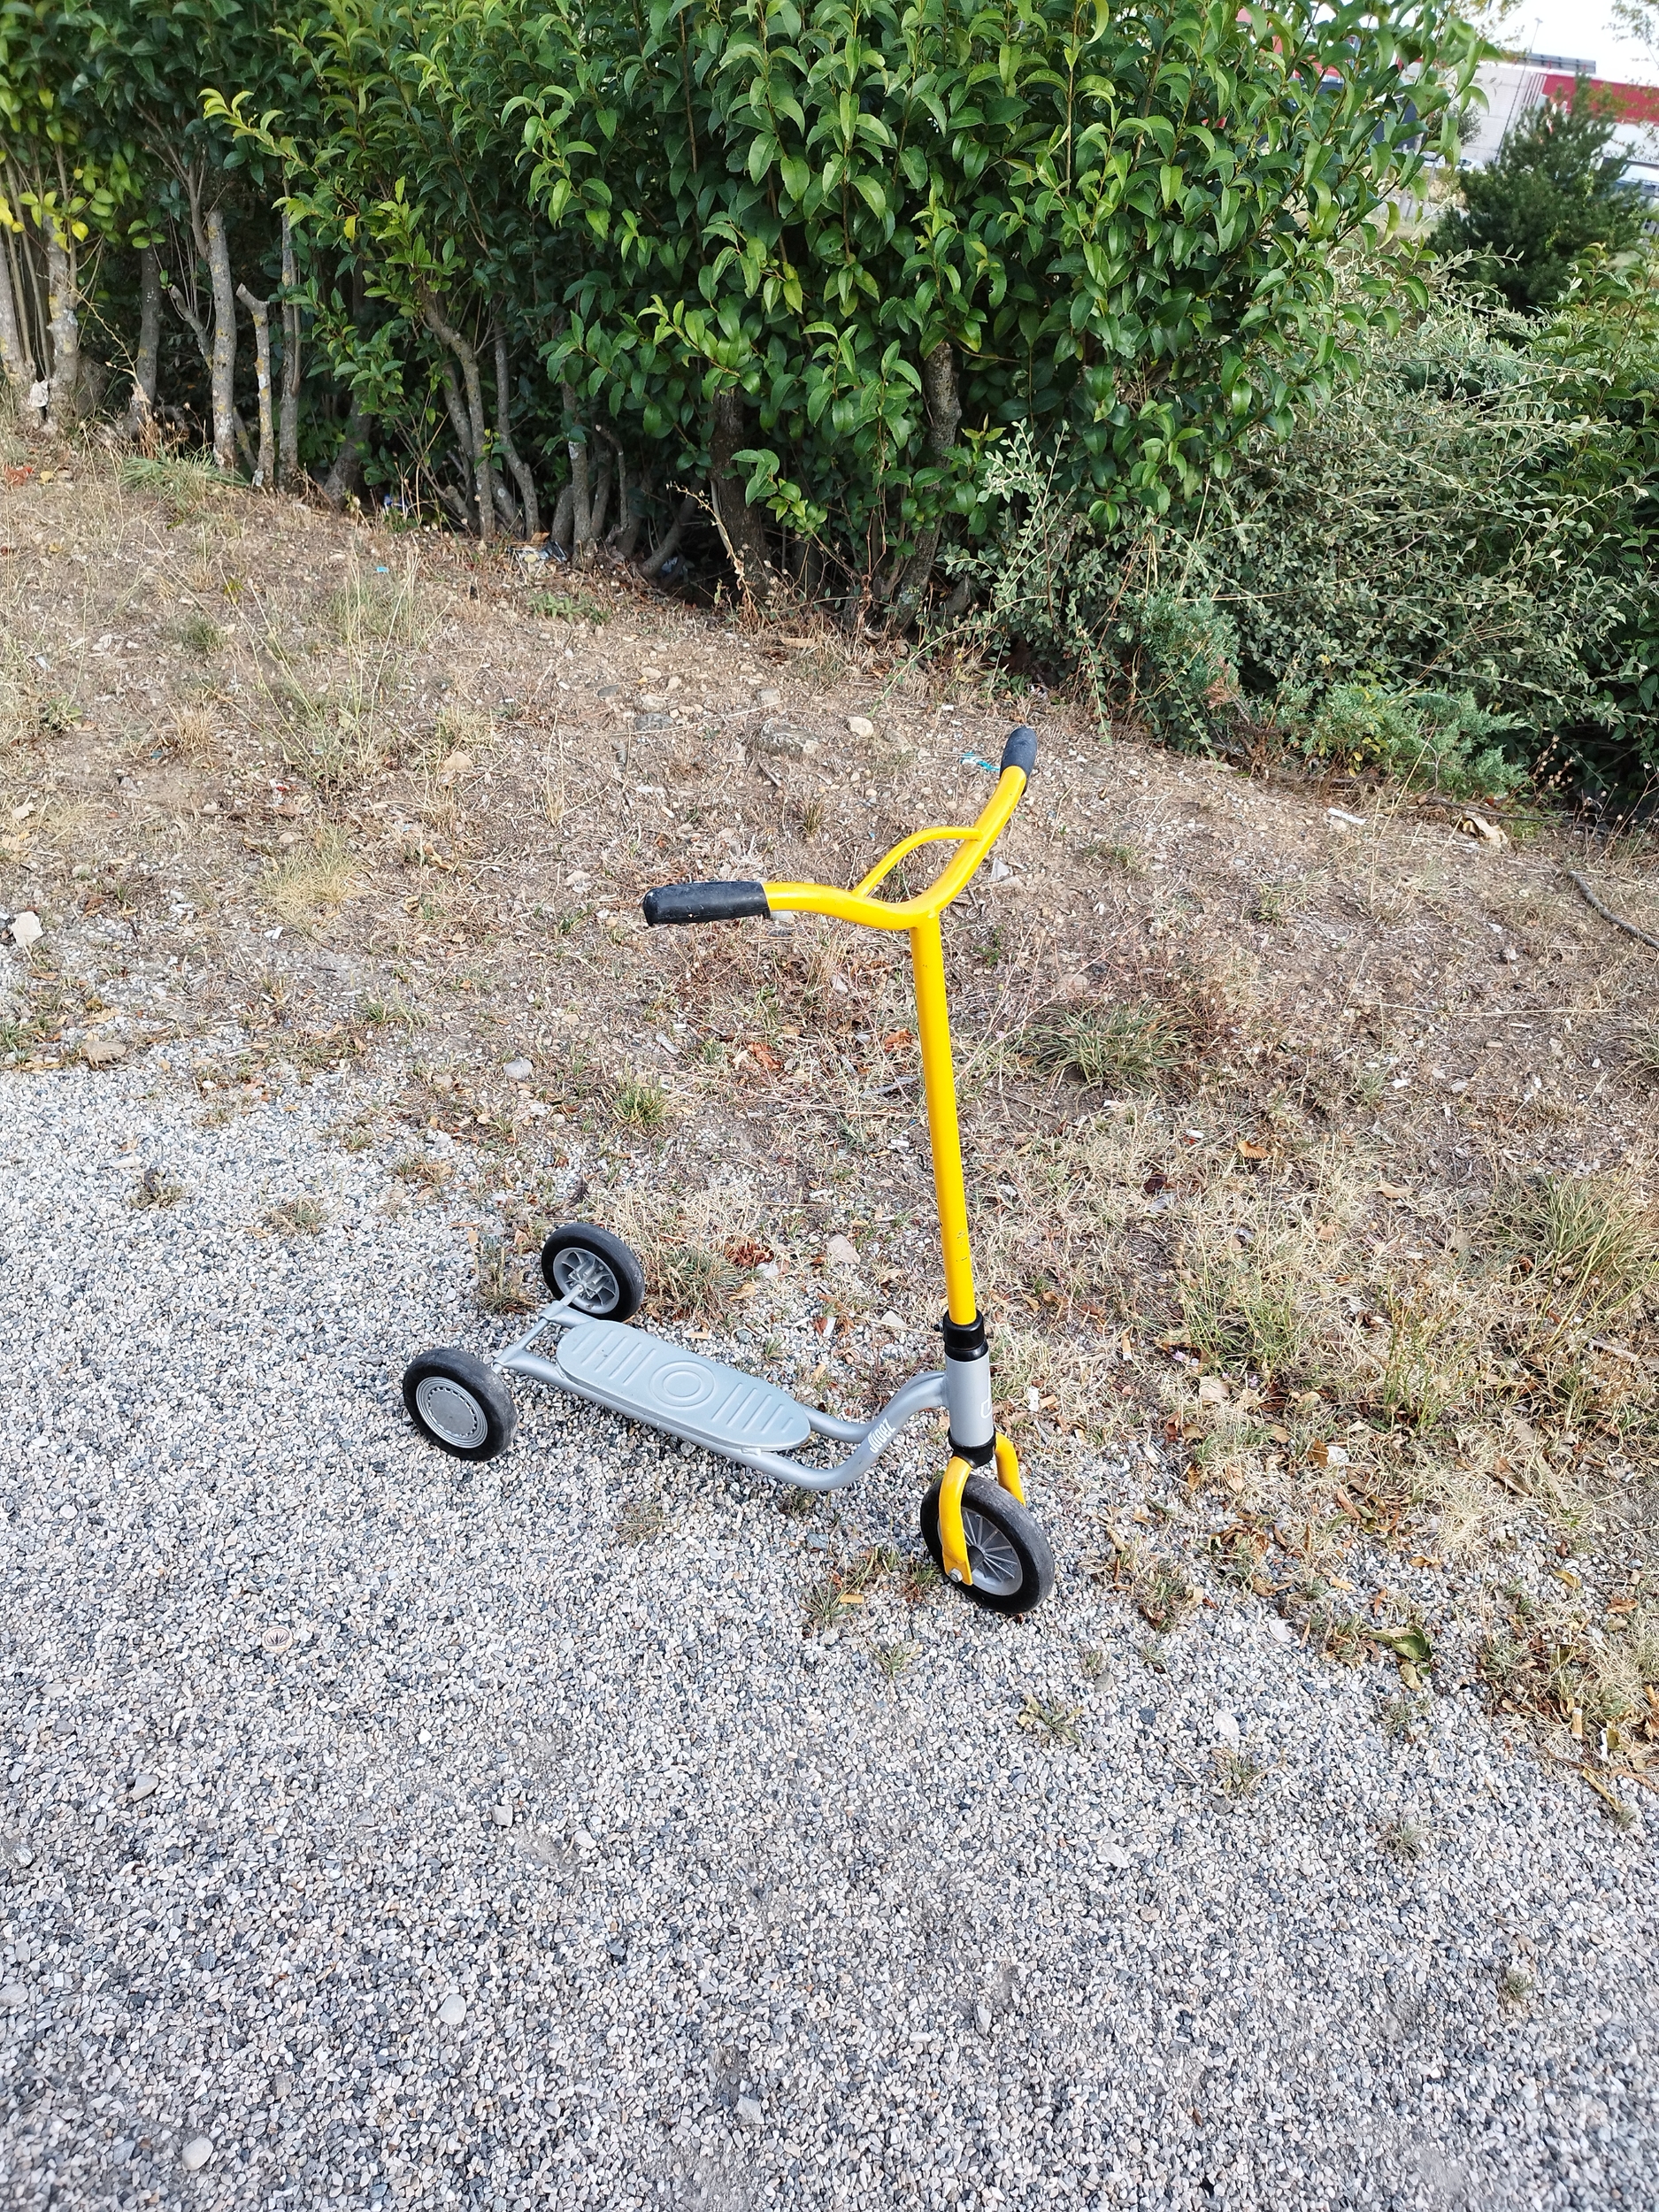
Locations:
(582, 1279)
(991, 1559)
(450, 1412)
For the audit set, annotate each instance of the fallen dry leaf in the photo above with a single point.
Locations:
(1409, 1644)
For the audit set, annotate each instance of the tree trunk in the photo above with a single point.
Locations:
(458, 423)
(289, 417)
(457, 503)
(16, 356)
(30, 306)
(670, 546)
(623, 532)
(522, 475)
(264, 467)
(194, 323)
(451, 337)
(944, 419)
(559, 529)
(142, 406)
(346, 473)
(740, 524)
(223, 367)
(581, 498)
(602, 495)
(64, 324)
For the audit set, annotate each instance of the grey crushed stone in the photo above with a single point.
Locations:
(758, 1928)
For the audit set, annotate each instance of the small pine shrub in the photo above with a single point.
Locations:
(1433, 741)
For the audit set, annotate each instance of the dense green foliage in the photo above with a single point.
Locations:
(1446, 570)
(1553, 192)
(821, 255)
(1075, 313)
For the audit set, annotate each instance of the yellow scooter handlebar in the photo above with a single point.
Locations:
(732, 902)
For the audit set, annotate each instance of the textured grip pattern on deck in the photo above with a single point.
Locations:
(640, 1374)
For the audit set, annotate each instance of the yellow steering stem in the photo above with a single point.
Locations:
(939, 1081)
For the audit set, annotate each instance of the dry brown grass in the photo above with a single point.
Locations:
(301, 1216)
(314, 879)
(190, 737)
(1264, 1223)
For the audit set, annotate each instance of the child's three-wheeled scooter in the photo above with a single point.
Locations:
(974, 1519)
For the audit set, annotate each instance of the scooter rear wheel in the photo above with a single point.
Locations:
(1007, 1553)
(459, 1404)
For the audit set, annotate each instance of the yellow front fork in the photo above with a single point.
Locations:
(953, 1544)
(1008, 1469)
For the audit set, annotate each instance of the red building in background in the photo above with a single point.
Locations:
(1513, 88)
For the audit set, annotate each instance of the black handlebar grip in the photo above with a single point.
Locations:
(704, 902)
(1021, 749)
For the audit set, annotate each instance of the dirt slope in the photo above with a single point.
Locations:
(1310, 1133)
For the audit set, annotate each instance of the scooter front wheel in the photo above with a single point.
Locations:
(593, 1271)
(1007, 1553)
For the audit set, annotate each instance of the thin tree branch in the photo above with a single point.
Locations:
(1607, 913)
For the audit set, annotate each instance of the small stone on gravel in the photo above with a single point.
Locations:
(518, 1071)
(196, 2153)
(748, 2111)
(452, 2011)
(143, 1785)
(13, 1996)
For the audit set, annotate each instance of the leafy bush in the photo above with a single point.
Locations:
(560, 263)
(1442, 571)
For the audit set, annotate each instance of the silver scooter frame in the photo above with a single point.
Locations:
(927, 1393)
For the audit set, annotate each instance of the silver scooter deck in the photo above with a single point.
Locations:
(740, 1416)
(698, 1398)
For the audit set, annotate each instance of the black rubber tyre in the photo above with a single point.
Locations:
(594, 1271)
(1008, 1554)
(459, 1404)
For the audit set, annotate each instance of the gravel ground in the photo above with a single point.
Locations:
(378, 1832)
